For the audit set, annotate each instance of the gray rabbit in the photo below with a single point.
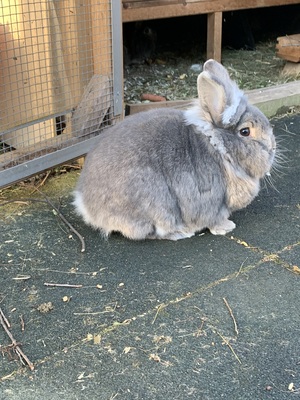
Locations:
(167, 173)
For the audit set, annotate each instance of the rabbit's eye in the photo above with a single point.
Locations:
(245, 132)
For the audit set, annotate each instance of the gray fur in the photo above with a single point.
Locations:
(168, 173)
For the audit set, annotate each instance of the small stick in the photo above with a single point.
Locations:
(159, 308)
(25, 358)
(229, 345)
(63, 285)
(22, 323)
(241, 267)
(152, 97)
(3, 378)
(232, 316)
(22, 278)
(41, 183)
(199, 330)
(9, 264)
(24, 201)
(4, 318)
(15, 344)
(72, 166)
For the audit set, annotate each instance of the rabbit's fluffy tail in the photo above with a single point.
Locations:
(80, 208)
(136, 231)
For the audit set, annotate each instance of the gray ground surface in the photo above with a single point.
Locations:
(150, 321)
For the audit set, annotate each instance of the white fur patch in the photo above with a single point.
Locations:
(80, 207)
(192, 117)
(230, 111)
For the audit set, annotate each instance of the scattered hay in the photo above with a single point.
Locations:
(171, 75)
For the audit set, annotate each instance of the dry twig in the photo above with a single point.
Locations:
(229, 345)
(36, 188)
(232, 316)
(22, 323)
(4, 318)
(15, 344)
(67, 285)
(159, 309)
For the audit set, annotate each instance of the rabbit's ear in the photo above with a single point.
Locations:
(219, 96)
(212, 97)
(216, 69)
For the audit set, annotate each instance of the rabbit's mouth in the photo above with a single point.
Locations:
(269, 145)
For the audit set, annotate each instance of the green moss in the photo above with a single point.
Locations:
(57, 185)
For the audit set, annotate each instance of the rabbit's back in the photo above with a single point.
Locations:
(149, 175)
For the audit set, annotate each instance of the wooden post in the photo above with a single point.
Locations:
(25, 63)
(72, 22)
(214, 35)
(101, 33)
(97, 98)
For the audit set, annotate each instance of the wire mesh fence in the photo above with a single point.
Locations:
(60, 80)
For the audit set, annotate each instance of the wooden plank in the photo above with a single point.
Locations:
(214, 35)
(271, 100)
(26, 94)
(30, 135)
(268, 100)
(139, 107)
(101, 36)
(288, 47)
(148, 3)
(195, 7)
(59, 90)
(76, 52)
(47, 59)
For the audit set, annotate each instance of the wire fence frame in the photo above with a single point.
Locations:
(99, 101)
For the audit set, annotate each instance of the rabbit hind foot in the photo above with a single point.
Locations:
(225, 227)
(174, 235)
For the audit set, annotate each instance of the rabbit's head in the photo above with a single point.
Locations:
(239, 131)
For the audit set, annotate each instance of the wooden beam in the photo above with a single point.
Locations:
(288, 47)
(102, 36)
(214, 35)
(135, 11)
(268, 100)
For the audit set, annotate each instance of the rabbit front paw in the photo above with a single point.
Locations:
(225, 227)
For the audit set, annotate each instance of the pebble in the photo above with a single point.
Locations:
(196, 68)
